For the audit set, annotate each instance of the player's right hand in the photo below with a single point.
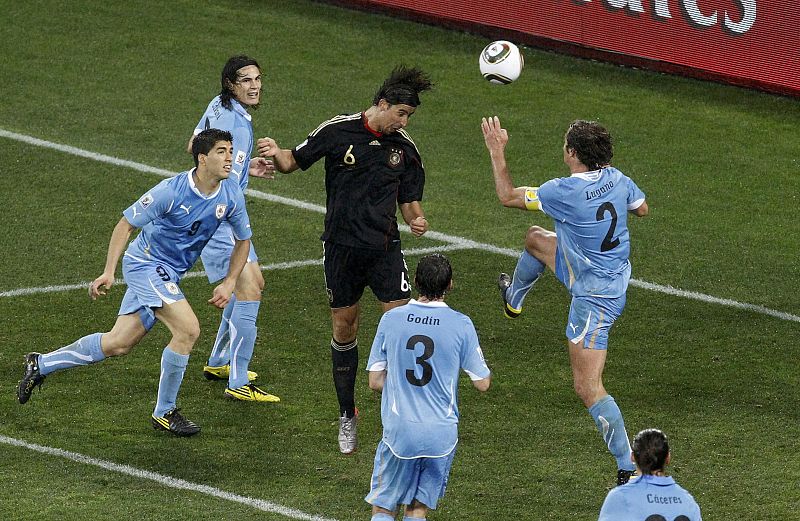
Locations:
(100, 285)
(267, 147)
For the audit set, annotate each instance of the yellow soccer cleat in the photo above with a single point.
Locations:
(250, 393)
(223, 371)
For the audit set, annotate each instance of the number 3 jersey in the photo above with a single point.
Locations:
(423, 347)
(590, 211)
(177, 220)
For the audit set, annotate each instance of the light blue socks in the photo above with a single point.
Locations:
(608, 418)
(220, 355)
(243, 340)
(527, 272)
(173, 365)
(85, 351)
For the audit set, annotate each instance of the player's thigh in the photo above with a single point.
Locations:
(542, 244)
(433, 478)
(128, 330)
(394, 480)
(250, 282)
(345, 271)
(182, 323)
(388, 276)
(590, 320)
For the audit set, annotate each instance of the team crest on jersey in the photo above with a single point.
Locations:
(395, 157)
(172, 288)
(146, 200)
(221, 210)
(240, 157)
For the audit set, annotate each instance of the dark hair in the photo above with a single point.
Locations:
(403, 86)
(205, 141)
(591, 142)
(230, 75)
(650, 450)
(433, 276)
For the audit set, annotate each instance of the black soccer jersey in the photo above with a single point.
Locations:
(366, 175)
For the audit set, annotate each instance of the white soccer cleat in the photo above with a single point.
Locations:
(348, 436)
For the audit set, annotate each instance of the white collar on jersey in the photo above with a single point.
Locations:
(198, 192)
(593, 175)
(238, 107)
(436, 304)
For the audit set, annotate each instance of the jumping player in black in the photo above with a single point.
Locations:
(371, 167)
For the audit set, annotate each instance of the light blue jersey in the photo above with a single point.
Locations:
(238, 122)
(590, 211)
(177, 220)
(422, 347)
(649, 498)
(216, 256)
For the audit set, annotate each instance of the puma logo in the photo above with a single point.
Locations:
(187, 208)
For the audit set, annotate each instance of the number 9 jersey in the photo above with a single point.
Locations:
(177, 220)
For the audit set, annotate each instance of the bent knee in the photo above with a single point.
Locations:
(115, 345)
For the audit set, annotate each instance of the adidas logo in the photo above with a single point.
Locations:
(375, 142)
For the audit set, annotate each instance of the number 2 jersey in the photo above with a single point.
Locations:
(423, 347)
(177, 220)
(590, 211)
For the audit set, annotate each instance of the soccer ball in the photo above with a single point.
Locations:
(501, 62)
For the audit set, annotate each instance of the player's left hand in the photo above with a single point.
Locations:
(494, 134)
(419, 226)
(221, 296)
(261, 167)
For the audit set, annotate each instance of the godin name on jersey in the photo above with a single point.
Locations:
(411, 317)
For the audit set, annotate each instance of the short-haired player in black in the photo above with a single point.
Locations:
(371, 167)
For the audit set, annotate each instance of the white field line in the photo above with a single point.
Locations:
(199, 273)
(167, 481)
(459, 242)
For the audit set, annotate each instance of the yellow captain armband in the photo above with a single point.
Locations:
(532, 198)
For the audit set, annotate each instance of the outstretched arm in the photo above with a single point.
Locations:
(283, 158)
(496, 139)
(116, 246)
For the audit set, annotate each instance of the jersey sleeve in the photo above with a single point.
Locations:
(613, 507)
(152, 205)
(215, 116)
(551, 197)
(412, 182)
(315, 146)
(472, 361)
(377, 354)
(635, 195)
(238, 218)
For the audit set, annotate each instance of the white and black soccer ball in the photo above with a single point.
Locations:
(501, 62)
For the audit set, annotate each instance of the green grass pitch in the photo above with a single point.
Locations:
(128, 80)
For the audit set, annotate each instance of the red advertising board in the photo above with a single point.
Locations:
(754, 43)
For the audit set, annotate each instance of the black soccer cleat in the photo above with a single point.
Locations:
(175, 423)
(31, 379)
(503, 283)
(623, 476)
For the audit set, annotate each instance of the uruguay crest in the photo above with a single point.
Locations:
(221, 210)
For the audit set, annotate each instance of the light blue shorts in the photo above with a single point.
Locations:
(150, 285)
(216, 254)
(591, 318)
(397, 481)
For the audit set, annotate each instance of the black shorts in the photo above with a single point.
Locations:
(348, 270)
